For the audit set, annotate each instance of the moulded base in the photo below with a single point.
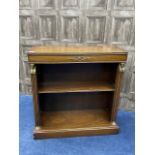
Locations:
(41, 132)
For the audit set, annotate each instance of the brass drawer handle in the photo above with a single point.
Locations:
(79, 58)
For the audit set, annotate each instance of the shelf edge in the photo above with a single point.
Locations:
(76, 91)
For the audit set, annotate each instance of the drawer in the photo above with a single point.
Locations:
(77, 58)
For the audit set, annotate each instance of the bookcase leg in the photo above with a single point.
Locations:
(118, 83)
(35, 94)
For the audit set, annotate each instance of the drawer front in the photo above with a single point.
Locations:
(77, 59)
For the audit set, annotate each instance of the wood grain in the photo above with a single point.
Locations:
(35, 95)
(74, 50)
(62, 54)
(69, 123)
(77, 98)
(37, 59)
(118, 84)
(74, 87)
(74, 119)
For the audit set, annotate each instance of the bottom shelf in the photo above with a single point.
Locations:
(75, 123)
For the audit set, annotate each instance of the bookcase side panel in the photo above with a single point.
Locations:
(35, 94)
(118, 85)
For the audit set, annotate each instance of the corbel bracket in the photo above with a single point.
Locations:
(33, 68)
(122, 67)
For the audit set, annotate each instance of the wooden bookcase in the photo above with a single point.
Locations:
(76, 89)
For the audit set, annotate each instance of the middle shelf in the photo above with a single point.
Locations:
(63, 87)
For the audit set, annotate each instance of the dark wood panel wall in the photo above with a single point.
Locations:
(86, 22)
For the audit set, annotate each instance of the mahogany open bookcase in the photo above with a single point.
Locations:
(76, 89)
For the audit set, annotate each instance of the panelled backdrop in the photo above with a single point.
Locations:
(91, 22)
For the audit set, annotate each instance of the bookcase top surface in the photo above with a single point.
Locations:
(65, 50)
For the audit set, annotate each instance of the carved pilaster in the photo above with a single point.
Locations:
(122, 67)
